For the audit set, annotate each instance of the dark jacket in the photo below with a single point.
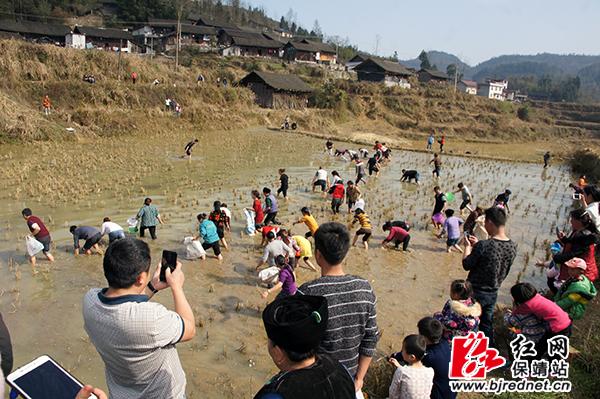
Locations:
(326, 379)
(5, 348)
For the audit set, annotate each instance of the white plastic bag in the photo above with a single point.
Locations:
(33, 245)
(269, 275)
(250, 226)
(193, 249)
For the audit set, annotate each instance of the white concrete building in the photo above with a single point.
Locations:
(468, 86)
(494, 89)
(75, 40)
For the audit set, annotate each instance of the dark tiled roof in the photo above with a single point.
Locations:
(311, 46)
(278, 81)
(104, 33)
(185, 28)
(36, 28)
(251, 39)
(388, 66)
(435, 74)
(258, 41)
(275, 36)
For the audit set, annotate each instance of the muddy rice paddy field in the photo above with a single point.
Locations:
(83, 181)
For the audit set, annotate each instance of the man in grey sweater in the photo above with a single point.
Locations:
(352, 333)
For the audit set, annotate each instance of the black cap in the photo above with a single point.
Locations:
(296, 323)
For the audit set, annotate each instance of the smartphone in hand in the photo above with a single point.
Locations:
(169, 260)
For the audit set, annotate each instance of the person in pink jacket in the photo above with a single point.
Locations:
(528, 301)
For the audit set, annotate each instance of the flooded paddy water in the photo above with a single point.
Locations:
(82, 182)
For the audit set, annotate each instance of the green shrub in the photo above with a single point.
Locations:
(523, 113)
(329, 97)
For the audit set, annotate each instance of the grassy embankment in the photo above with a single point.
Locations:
(350, 110)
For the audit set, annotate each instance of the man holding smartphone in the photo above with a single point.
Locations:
(136, 338)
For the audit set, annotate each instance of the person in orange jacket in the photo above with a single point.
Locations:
(46, 105)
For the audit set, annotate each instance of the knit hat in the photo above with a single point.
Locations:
(576, 263)
(296, 323)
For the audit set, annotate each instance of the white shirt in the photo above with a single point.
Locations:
(594, 212)
(360, 204)
(109, 227)
(321, 174)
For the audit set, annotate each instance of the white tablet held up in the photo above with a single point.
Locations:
(43, 378)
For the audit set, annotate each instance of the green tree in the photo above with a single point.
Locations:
(424, 60)
(283, 24)
(395, 56)
(451, 70)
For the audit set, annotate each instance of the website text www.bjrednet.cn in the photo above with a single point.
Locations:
(500, 385)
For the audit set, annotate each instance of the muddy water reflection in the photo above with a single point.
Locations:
(228, 358)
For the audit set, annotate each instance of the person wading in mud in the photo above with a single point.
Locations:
(188, 148)
(40, 232)
(149, 217)
(437, 165)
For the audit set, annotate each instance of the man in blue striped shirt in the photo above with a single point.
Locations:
(352, 333)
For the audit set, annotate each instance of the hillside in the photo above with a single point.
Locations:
(114, 107)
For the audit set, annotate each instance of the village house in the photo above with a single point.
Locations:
(309, 51)
(274, 90)
(431, 75)
(382, 71)
(36, 31)
(236, 42)
(493, 89)
(161, 35)
(87, 37)
(355, 61)
(468, 86)
(215, 23)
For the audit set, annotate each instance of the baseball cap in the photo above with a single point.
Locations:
(576, 263)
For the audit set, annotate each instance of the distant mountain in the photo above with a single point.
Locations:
(516, 69)
(568, 64)
(439, 59)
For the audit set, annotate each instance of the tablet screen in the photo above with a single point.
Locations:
(48, 382)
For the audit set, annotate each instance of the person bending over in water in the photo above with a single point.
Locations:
(188, 148)
(365, 227)
(502, 199)
(91, 235)
(398, 236)
(409, 175)
(321, 179)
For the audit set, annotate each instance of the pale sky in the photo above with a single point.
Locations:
(474, 30)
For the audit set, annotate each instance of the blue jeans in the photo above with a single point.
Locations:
(115, 235)
(487, 300)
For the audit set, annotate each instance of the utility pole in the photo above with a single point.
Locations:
(377, 40)
(177, 38)
(120, 48)
(455, 78)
